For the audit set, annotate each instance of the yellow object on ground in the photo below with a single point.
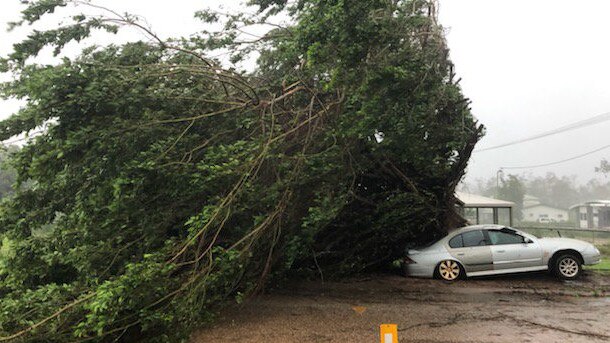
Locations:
(388, 333)
(359, 309)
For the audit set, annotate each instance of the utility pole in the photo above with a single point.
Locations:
(499, 173)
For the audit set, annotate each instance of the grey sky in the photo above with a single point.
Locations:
(528, 67)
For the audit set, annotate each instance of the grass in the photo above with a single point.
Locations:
(604, 265)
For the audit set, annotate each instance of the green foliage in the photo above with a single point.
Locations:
(36, 9)
(8, 174)
(165, 186)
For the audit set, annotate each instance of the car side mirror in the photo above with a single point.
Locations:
(527, 241)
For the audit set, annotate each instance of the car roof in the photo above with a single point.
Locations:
(480, 227)
(461, 230)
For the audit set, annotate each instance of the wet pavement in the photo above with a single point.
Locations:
(516, 308)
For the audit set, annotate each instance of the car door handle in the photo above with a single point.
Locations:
(501, 251)
(460, 254)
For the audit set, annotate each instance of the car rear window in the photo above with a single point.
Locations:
(456, 242)
(473, 238)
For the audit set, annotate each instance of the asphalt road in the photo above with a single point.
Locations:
(518, 308)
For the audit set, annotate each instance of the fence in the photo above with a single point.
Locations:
(595, 236)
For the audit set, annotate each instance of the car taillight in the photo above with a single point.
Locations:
(408, 260)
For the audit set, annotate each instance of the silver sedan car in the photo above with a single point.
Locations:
(494, 249)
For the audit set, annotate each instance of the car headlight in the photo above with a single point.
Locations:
(592, 249)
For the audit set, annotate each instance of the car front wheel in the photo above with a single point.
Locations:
(449, 270)
(568, 267)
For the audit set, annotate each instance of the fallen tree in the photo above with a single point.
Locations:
(166, 183)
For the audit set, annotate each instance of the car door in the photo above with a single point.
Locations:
(472, 250)
(511, 250)
(530, 254)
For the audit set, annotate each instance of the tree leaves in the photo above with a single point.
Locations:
(168, 185)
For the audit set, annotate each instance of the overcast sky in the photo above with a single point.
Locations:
(531, 66)
(528, 66)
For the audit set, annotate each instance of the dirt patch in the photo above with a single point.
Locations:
(519, 308)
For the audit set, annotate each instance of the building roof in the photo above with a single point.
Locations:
(474, 200)
(593, 203)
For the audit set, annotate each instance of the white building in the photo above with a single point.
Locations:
(592, 214)
(544, 214)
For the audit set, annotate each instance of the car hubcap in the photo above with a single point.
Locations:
(568, 267)
(449, 270)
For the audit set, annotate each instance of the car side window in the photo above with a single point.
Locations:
(456, 242)
(498, 237)
(473, 238)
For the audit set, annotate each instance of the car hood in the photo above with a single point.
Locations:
(553, 243)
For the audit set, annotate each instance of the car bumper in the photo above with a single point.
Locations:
(418, 270)
(592, 259)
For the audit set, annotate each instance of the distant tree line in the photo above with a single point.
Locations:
(551, 189)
